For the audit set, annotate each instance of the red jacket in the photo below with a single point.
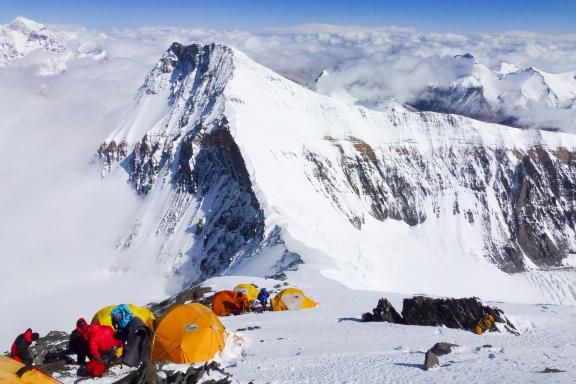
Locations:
(101, 339)
(83, 332)
(19, 350)
(242, 303)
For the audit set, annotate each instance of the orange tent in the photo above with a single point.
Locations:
(224, 302)
(186, 334)
(9, 367)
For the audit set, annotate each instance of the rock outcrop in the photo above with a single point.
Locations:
(462, 313)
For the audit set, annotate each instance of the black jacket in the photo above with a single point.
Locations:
(136, 337)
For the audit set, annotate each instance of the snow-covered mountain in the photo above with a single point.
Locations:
(243, 171)
(24, 42)
(460, 84)
(518, 97)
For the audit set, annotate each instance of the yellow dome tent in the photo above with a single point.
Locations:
(102, 317)
(249, 290)
(9, 367)
(186, 334)
(291, 299)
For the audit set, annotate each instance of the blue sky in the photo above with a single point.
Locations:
(549, 16)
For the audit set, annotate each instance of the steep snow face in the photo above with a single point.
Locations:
(243, 171)
(200, 216)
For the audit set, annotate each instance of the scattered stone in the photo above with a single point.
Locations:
(384, 311)
(248, 328)
(52, 342)
(278, 276)
(150, 374)
(551, 370)
(441, 349)
(51, 354)
(430, 360)
(487, 346)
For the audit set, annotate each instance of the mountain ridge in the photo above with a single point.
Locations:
(357, 172)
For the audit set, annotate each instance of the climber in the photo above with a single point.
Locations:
(20, 352)
(242, 302)
(263, 297)
(103, 346)
(78, 342)
(134, 334)
(485, 324)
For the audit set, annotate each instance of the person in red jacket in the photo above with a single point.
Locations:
(19, 350)
(78, 342)
(103, 346)
(242, 303)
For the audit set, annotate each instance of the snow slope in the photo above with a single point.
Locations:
(244, 171)
(329, 344)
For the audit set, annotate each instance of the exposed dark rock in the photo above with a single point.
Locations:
(54, 341)
(441, 349)
(277, 276)
(452, 313)
(150, 374)
(196, 294)
(430, 360)
(51, 354)
(384, 311)
(551, 370)
(462, 101)
(534, 189)
(251, 328)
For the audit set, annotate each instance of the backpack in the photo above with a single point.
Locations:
(264, 295)
(126, 316)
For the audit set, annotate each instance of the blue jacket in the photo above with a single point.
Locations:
(124, 313)
(263, 295)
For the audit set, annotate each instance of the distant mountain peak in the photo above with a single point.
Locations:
(24, 24)
(23, 37)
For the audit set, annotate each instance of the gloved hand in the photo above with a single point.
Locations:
(110, 355)
(23, 370)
